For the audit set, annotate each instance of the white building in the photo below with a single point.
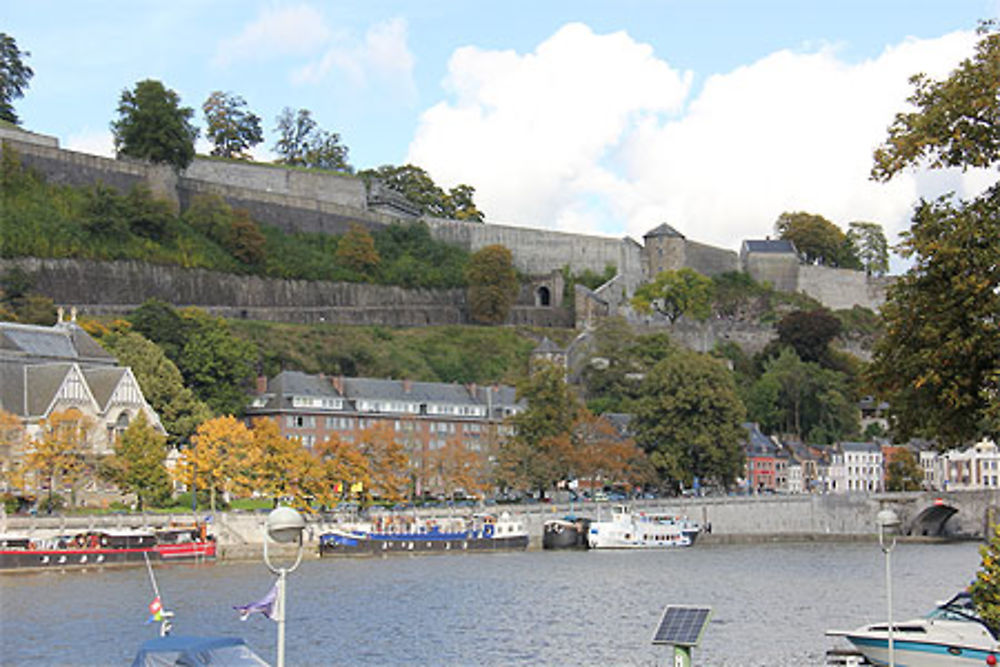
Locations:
(975, 468)
(856, 466)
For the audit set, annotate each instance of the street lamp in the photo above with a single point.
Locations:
(284, 525)
(888, 521)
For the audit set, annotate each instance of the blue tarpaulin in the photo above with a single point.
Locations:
(182, 651)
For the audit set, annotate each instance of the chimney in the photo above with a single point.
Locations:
(472, 389)
(407, 386)
(72, 314)
(261, 384)
(338, 384)
(59, 314)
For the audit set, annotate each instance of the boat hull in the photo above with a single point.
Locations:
(920, 653)
(565, 534)
(35, 559)
(333, 544)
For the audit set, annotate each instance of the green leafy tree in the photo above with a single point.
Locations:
(818, 240)
(938, 364)
(161, 323)
(215, 364)
(809, 333)
(137, 465)
(152, 126)
(303, 143)
(232, 129)
(985, 590)
(868, 241)
(211, 215)
(419, 188)
(493, 284)
(14, 76)
(904, 472)
(689, 420)
(676, 293)
(161, 383)
(540, 452)
(356, 250)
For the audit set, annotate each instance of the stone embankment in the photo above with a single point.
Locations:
(732, 519)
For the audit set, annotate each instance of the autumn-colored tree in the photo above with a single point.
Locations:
(904, 472)
(342, 464)
(356, 250)
(219, 458)
(493, 284)
(137, 465)
(279, 467)
(232, 129)
(57, 455)
(457, 467)
(985, 590)
(676, 293)
(12, 446)
(387, 460)
(602, 453)
(245, 240)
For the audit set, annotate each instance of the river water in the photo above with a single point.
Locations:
(771, 605)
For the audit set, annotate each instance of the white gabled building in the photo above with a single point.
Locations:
(975, 468)
(856, 467)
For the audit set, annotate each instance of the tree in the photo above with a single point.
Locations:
(939, 363)
(57, 454)
(215, 364)
(420, 189)
(161, 383)
(356, 250)
(676, 293)
(219, 457)
(14, 77)
(303, 143)
(818, 240)
(232, 129)
(956, 122)
(540, 453)
(211, 215)
(387, 462)
(868, 241)
(137, 465)
(152, 126)
(245, 240)
(12, 446)
(279, 467)
(458, 467)
(904, 472)
(809, 333)
(602, 453)
(342, 465)
(689, 420)
(493, 284)
(985, 590)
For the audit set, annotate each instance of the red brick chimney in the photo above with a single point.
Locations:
(407, 386)
(261, 384)
(338, 384)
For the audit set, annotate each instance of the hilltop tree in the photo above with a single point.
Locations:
(232, 129)
(14, 77)
(419, 188)
(939, 363)
(818, 240)
(303, 143)
(868, 241)
(152, 126)
(810, 333)
(676, 293)
(689, 420)
(493, 284)
(137, 465)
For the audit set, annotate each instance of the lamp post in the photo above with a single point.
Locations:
(284, 525)
(888, 521)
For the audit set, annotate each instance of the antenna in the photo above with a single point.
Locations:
(166, 625)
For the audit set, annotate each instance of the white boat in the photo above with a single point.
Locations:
(952, 634)
(630, 530)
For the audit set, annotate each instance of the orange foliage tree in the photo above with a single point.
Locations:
(57, 455)
(387, 462)
(220, 457)
(12, 445)
(457, 467)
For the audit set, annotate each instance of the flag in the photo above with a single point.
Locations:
(267, 605)
(357, 487)
(155, 610)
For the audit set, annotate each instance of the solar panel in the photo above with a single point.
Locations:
(682, 626)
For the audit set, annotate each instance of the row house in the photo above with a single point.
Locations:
(766, 464)
(424, 415)
(975, 468)
(61, 369)
(856, 466)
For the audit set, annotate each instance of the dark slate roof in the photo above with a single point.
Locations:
(297, 383)
(44, 380)
(621, 421)
(770, 245)
(12, 387)
(103, 381)
(663, 230)
(63, 341)
(870, 447)
(757, 443)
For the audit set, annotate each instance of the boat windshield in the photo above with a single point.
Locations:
(959, 608)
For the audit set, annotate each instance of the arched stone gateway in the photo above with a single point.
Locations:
(932, 521)
(543, 297)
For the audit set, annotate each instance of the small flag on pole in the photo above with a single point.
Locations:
(155, 610)
(266, 605)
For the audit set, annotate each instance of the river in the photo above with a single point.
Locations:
(771, 605)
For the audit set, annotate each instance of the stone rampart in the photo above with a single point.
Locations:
(709, 260)
(842, 288)
(320, 186)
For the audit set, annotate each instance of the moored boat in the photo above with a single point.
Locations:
(97, 548)
(951, 634)
(568, 532)
(411, 535)
(630, 530)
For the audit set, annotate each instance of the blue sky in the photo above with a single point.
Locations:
(598, 117)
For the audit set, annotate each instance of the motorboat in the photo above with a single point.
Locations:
(642, 530)
(951, 634)
(568, 532)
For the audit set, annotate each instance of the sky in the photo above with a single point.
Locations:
(596, 117)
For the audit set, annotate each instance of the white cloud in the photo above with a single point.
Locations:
(95, 143)
(295, 30)
(595, 133)
(382, 55)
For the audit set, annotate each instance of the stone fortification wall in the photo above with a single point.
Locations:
(79, 169)
(709, 260)
(539, 251)
(118, 287)
(752, 337)
(781, 271)
(28, 137)
(842, 288)
(318, 185)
